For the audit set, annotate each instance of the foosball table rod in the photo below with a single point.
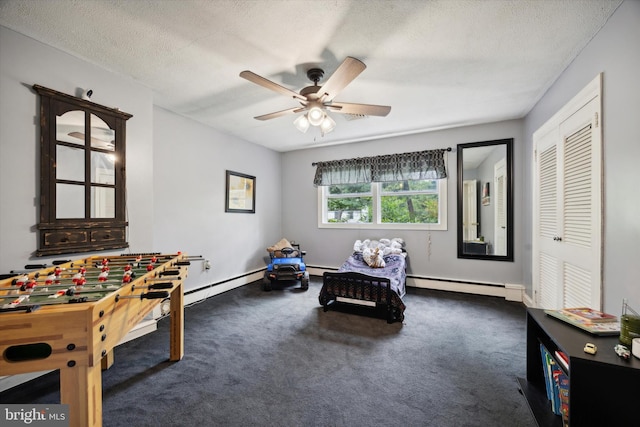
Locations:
(86, 288)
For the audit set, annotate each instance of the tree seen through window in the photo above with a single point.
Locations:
(398, 202)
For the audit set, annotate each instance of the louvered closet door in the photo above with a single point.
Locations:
(546, 277)
(567, 253)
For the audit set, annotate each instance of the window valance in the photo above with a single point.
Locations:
(418, 165)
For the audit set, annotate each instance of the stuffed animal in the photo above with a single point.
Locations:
(373, 258)
(275, 249)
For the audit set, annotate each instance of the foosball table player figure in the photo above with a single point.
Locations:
(70, 317)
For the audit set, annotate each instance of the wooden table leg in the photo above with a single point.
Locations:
(107, 360)
(81, 389)
(176, 309)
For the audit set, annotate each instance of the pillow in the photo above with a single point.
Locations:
(386, 246)
(373, 258)
(397, 241)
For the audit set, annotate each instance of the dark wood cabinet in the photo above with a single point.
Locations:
(476, 248)
(603, 388)
(82, 175)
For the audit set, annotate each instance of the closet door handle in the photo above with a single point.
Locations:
(557, 239)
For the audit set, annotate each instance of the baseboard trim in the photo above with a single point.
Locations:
(509, 292)
(528, 301)
(11, 381)
(194, 296)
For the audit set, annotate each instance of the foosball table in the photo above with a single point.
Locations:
(71, 315)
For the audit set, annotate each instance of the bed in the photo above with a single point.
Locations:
(379, 283)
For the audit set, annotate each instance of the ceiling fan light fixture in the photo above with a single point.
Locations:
(315, 115)
(301, 123)
(328, 124)
(317, 100)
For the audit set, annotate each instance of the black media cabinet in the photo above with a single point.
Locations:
(604, 389)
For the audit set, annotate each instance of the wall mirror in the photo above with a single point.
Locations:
(82, 175)
(485, 200)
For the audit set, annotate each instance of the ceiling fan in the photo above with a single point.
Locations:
(316, 100)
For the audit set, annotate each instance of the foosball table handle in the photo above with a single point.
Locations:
(35, 266)
(161, 285)
(170, 273)
(154, 295)
(147, 295)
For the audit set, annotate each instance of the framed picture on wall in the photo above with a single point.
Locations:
(240, 194)
(486, 199)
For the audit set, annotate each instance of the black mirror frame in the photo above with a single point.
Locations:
(510, 229)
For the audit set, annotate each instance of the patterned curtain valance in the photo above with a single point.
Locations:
(428, 164)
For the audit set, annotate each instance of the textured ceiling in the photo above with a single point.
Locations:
(438, 64)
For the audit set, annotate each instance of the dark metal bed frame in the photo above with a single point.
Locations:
(358, 286)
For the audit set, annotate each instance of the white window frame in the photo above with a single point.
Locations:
(376, 224)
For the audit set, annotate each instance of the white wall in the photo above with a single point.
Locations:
(330, 247)
(24, 62)
(175, 169)
(614, 52)
(190, 162)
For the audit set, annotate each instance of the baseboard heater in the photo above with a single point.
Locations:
(202, 293)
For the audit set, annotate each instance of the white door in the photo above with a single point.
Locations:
(567, 211)
(470, 210)
(546, 263)
(500, 210)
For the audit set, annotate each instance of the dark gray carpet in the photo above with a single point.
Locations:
(255, 358)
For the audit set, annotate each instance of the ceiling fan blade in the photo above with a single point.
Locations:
(346, 72)
(259, 80)
(359, 109)
(279, 113)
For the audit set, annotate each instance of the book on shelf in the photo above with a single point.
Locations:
(556, 383)
(551, 373)
(562, 358)
(546, 371)
(563, 392)
(589, 315)
(596, 328)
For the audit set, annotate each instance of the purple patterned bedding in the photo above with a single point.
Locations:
(394, 270)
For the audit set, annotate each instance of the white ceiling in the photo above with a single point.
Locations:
(438, 64)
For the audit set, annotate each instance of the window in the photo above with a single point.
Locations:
(410, 205)
(348, 203)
